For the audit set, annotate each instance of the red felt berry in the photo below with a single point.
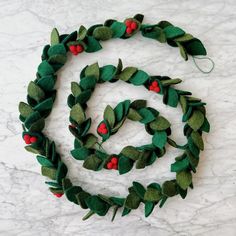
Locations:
(151, 87)
(109, 165)
(102, 125)
(27, 139)
(114, 160)
(157, 89)
(128, 30)
(58, 194)
(115, 167)
(104, 131)
(33, 139)
(79, 48)
(133, 26)
(128, 23)
(72, 48)
(154, 84)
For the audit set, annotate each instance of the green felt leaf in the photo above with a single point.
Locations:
(118, 29)
(75, 89)
(169, 188)
(72, 192)
(92, 70)
(172, 32)
(197, 139)
(184, 179)
(180, 165)
(35, 116)
(125, 164)
(195, 47)
(159, 139)
(172, 97)
(139, 78)
(45, 69)
(119, 111)
(107, 72)
(130, 152)
(54, 37)
(127, 73)
(37, 126)
(92, 162)
(160, 123)
(92, 45)
(184, 38)
(182, 51)
(126, 105)
(193, 160)
(149, 206)
(134, 115)
(132, 201)
(90, 140)
(47, 82)
(44, 105)
(83, 97)
(183, 103)
(57, 49)
(80, 153)
(138, 104)
(196, 120)
(205, 126)
(109, 115)
(118, 201)
(77, 113)
(97, 205)
(81, 198)
(139, 189)
(35, 92)
(147, 115)
(61, 172)
(25, 109)
(102, 33)
(152, 195)
(88, 82)
(44, 161)
(57, 59)
(48, 172)
(82, 32)
(29, 148)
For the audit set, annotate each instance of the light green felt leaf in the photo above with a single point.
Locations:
(92, 70)
(75, 89)
(152, 195)
(102, 33)
(35, 92)
(77, 113)
(197, 139)
(109, 115)
(196, 120)
(160, 123)
(127, 73)
(92, 162)
(184, 179)
(54, 37)
(25, 109)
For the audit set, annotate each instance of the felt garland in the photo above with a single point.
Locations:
(41, 96)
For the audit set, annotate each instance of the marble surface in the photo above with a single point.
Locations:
(26, 206)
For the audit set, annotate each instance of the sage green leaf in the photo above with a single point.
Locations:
(152, 195)
(172, 97)
(33, 150)
(77, 113)
(184, 179)
(197, 139)
(169, 188)
(109, 115)
(127, 73)
(132, 201)
(134, 115)
(92, 70)
(172, 32)
(159, 139)
(130, 152)
(160, 123)
(138, 104)
(35, 92)
(149, 206)
(125, 164)
(118, 29)
(102, 33)
(54, 37)
(48, 172)
(37, 126)
(92, 162)
(92, 45)
(196, 120)
(75, 89)
(184, 38)
(83, 97)
(107, 72)
(139, 78)
(183, 103)
(183, 52)
(32, 118)
(180, 165)
(25, 109)
(90, 140)
(82, 32)
(139, 189)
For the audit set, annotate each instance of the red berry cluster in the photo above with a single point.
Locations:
(113, 163)
(155, 87)
(58, 194)
(102, 129)
(130, 26)
(76, 49)
(30, 139)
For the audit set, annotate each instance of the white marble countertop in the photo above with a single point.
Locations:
(26, 206)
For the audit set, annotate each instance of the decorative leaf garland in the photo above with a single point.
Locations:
(41, 96)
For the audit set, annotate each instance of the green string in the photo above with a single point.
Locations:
(203, 58)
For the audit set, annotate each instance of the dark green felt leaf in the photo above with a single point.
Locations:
(118, 29)
(37, 126)
(107, 72)
(184, 38)
(195, 47)
(92, 45)
(172, 32)
(147, 115)
(54, 37)
(130, 152)
(169, 188)
(45, 69)
(81, 197)
(44, 105)
(80, 153)
(83, 97)
(180, 165)
(102, 33)
(160, 123)
(149, 206)
(172, 97)
(139, 189)
(35, 92)
(196, 120)
(184, 179)
(88, 82)
(109, 115)
(47, 82)
(44, 161)
(92, 162)
(138, 104)
(159, 139)
(92, 70)
(139, 78)
(205, 126)
(61, 172)
(57, 49)
(125, 165)
(72, 192)
(152, 195)
(132, 201)
(127, 73)
(77, 113)
(90, 140)
(25, 109)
